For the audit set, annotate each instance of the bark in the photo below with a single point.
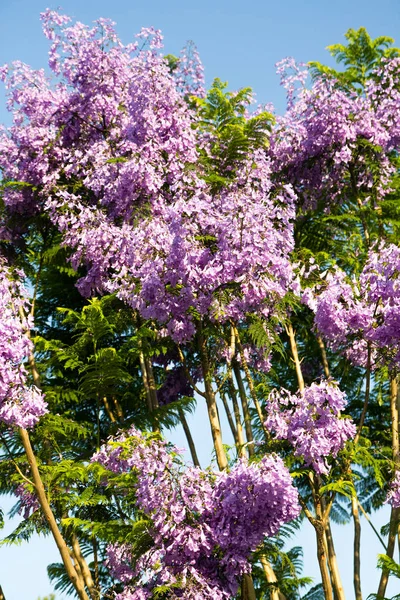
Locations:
(319, 524)
(118, 409)
(150, 388)
(189, 438)
(367, 395)
(275, 593)
(49, 516)
(151, 383)
(249, 380)
(231, 422)
(236, 410)
(109, 410)
(337, 585)
(247, 588)
(145, 381)
(322, 559)
(395, 512)
(245, 408)
(74, 576)
(211, 404)
(86, 573)
(324, 358)
(295, 354)
(96, 565)
(357, 545)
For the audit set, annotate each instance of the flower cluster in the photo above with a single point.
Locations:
(20, 404)
(143, 219)
(311, 422)
(325, 142)
(352, 315)
(204, 525)
(393, 496)
(29, 502)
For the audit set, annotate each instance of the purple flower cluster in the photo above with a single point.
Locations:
(20, 404)
(142, 219)
(352, 314)
(311, 422)
(29, 502)
(204, 525)
(316, 144)
(393, 496)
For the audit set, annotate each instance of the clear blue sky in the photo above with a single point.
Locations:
(240, 42)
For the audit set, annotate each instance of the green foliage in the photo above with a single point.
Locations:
(223, 116)
(360, 56)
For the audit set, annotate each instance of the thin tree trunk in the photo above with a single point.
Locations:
(72, 573)
(211, 403)
(357, 545)
(238, 420)
(231, 422)
(337, 585)
(49, 516)
(109, 410)
(295, 354)
(118, 409)
(189, 438)
(145, 381)
(247, 589)
(395, 512)
(275, 593)
(96, 564)
(245, 408)
(322, 558)
(152, 383)
(324, 358)
(87, 575)
(249, 379)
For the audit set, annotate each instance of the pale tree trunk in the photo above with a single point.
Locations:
(247, 588)
(295, 354)
(74, 576)
(189, 438)
(357, 546)
(86, 573)
(236, 411)
(395, 512)
(337, 586)
(331, 582)
(249, 380)
(228, 413)
(324, 358)
(211, 403)
(75, 579)
(270, 577)
(245, 408)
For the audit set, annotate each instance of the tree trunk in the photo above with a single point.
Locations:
(189, 438)
(247, 589)
(211, 404)
(236, 410)
(295, 354)
(275, 593)
(357, 545)
(48, 514)
(395, 512)
(337, 585)
(245, 408)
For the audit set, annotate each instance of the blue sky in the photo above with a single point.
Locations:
(240, 42)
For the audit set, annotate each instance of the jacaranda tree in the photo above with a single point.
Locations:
(163, 246)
